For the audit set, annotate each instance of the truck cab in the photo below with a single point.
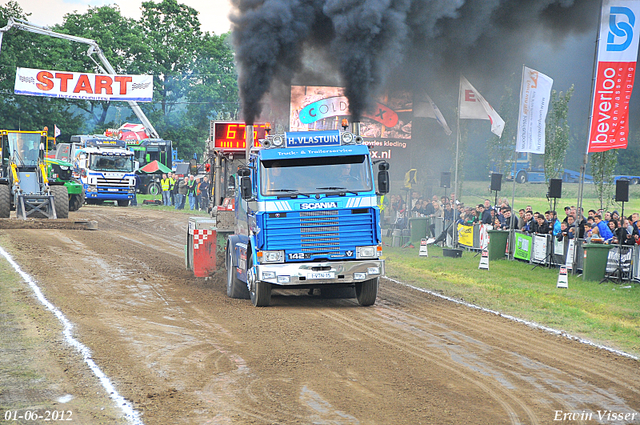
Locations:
(104, 165)
(307, 217)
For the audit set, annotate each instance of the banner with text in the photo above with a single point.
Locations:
(535, 95)
(615, 73)
(80, 85)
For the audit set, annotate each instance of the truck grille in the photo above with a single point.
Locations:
(113, 182)
(326, 232)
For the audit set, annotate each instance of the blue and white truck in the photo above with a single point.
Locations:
(104, 165)
(307, 217)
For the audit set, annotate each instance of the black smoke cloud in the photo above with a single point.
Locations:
(421, 41)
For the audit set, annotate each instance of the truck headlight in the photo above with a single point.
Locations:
(271, 256)
(277, 141)
(347, 138)
(92, 188)
(366, 252)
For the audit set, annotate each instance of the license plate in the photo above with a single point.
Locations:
(322, 275)
(112, 190)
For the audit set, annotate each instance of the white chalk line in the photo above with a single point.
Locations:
(518, 320)
(130, 413)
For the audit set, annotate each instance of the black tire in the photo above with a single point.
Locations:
(75, 202)
(154, 189)
(123, 202)
(367, 292)
(5, 201)
(235, 287)
(61, 201)
(521, 177)
(635, 181)
(261, 294)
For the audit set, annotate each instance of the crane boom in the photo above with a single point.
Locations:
(93, 48)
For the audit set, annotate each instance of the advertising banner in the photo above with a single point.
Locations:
(539, 254)
(386, 129)
(535, 96)
(80, 85)
(465, 235)
(615, 73)
(523, 247)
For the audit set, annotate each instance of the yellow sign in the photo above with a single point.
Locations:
(465, 235)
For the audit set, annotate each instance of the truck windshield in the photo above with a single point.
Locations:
(315, 175)
(119, 163)
(25, 148)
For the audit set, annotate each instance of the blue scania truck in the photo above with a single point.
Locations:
(307, 217)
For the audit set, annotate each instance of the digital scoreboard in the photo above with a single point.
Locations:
(231, 136)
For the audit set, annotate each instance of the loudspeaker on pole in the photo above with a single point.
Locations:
(445, 180)
(622, 190)
(496, 182)
(555, 188)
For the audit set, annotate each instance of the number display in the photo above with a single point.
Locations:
(231, 136)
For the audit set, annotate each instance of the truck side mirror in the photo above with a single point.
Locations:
(383, 178)
(245, 183)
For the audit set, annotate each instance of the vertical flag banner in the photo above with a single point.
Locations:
(471, 105)
(56, 131)
(535, 95)
(615, 73)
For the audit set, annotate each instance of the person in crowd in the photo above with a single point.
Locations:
(484, 211)
(592, 235)
(603, 229)
(615, 216)
(554, 223)
(165, 183)
(528, 222)
(174, 190)
(181, 193)
(613, 228)
(567, 212)
(509, 221)
(191, 191)
(205, 189)
(565, 233)
(542, 227)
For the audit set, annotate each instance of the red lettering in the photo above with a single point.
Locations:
(45, 78)
(469, 96)
(83, 84)
(103, 82)
(123, 83)
(64, 78)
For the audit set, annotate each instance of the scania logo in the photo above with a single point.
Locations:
(318, 205)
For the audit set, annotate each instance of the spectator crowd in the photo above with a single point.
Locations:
(597, 227)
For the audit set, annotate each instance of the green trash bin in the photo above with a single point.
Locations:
(595, 261)
(418, 226)
(497, 244)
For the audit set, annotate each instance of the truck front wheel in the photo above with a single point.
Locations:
(261, 291)
(521, 177)
(235, 287)
(367, 291)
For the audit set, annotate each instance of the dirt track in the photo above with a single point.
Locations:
(182, 352)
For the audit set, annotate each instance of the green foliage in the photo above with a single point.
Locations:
(603, 165)
(194, 72)
(557, 134)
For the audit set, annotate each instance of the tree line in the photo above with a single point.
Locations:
(195, 78)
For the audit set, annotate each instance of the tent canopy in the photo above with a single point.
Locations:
(155, 167)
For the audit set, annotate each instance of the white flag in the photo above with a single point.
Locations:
(471, 105)
(56, 131)
(535, 96)
(429, 109)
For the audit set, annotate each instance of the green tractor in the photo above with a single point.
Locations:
(62, 171)
(24, 185)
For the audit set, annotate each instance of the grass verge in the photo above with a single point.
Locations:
(606, 313)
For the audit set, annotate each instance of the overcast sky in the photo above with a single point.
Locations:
(213, 13)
